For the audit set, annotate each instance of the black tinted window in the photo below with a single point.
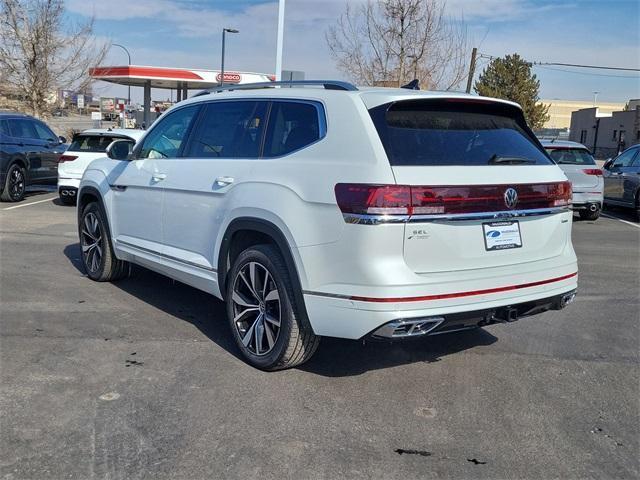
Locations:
(292, 125)
(165, 139)
(90, 143)
(625, 158)
(44, 133)
(22, 128)
(570, 156)
(452, 133)
(229, 130)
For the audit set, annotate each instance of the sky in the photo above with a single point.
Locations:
(187, 33)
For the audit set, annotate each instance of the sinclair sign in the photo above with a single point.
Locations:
(229, 77)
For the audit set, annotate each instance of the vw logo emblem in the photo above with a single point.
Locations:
(510, 197)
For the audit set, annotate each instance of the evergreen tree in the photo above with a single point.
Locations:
(510, 78)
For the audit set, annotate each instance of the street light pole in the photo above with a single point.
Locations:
(129, 57)
(224, 31)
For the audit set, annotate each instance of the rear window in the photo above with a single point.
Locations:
(570, 156)
(91, 143)
(439, 133)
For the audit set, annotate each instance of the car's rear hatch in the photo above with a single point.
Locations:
(578, 165)
(483, 193)
(84, 149)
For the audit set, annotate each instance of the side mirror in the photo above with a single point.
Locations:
(120, 149)
(607, 163)
(62, 139)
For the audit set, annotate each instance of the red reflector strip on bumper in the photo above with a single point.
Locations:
(443, 296)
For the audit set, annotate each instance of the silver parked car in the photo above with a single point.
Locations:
(580, 168)
(622, 180)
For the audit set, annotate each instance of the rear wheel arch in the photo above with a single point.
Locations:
(244, 232)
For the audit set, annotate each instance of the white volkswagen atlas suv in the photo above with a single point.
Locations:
(327, 210)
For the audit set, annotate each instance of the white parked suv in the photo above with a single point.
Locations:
(327, 210)
(85, 148)
(587, 181)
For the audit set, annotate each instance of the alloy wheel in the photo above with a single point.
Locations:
(16, 183)
(256, 308)
(91, 240)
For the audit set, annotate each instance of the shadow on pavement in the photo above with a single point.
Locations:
(621, 213)
(334, 358)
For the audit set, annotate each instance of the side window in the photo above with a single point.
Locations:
(44, 133)
(4, 127)
(229, 130)
(625, 158)
(165, 139)
(22, 128)
(292, 125)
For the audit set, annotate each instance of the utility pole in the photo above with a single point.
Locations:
(280, 40)
(472, 68)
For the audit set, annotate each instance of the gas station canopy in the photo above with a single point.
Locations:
(181, 79)
(161, 77)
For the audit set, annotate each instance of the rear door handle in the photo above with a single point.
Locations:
(224, 181)
(158, 177)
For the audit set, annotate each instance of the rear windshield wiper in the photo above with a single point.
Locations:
(498, 160)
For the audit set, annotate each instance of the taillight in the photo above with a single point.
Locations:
(66, 158)
(592, 171)
(448, 200)
(373, 199)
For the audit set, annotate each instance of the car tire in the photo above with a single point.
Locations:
(588, 215)
(265, 320)
(97, 253)
(15, 184)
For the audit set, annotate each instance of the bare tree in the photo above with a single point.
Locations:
(391, 42)
(42, 52)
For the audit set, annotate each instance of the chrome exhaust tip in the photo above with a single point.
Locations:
(593, 207)
(567, 299)
(407, 327)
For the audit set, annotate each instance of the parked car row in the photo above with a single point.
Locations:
(616, 184)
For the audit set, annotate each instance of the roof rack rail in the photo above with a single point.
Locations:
(327, 84)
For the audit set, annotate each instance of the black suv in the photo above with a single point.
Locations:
(29, 152)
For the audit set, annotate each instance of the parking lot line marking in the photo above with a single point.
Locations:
(27, 204)
(621, 220)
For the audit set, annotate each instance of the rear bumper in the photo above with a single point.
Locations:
(67, 182)
(583, 200)
(456, 322)
(356, 318)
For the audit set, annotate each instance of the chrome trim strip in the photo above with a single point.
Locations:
(163, 255)
(365, 219)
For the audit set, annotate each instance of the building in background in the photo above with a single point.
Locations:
(606, 133)
(560, 110)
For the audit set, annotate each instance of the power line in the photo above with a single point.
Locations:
(587, 66)
(601, 67)
(588, 73)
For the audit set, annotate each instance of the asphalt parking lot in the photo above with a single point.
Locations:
(140, 379)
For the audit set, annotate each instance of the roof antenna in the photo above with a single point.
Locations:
(412, 85)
